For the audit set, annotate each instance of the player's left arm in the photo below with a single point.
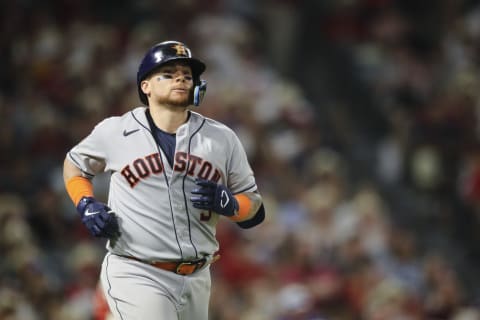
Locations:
(241, 207)
(248, 205)
(256, 216)
(251, 210)
(238, 199)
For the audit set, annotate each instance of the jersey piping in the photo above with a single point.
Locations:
(109, 291)
(79, 166)
(183, 188)
(166, 181)
(245, 189)
(159, 142)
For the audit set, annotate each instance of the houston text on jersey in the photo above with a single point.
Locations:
(142, 168)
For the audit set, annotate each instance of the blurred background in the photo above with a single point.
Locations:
(361, 119)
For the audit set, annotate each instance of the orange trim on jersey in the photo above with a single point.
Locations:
(244, 207)
(79, 187)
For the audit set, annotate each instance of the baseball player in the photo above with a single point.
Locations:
(174, 174)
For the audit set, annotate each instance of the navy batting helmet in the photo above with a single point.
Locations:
(164, 52)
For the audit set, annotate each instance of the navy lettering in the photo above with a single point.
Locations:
(154, 163)
(205, 170)
(131, 178)
(180, 161)
(192, 164)
(216, 176)
(141, 168)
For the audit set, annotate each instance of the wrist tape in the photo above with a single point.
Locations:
(244, 208)
(79, 187)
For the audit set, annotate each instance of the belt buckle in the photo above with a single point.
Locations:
(186, 268)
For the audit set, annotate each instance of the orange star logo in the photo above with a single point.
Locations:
(181, 51)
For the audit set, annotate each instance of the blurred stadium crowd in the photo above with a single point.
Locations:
(361, 119)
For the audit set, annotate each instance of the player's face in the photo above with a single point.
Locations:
(170, 85)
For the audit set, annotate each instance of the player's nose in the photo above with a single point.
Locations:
(181, 76)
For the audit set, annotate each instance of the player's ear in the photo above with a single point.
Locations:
(145, 85)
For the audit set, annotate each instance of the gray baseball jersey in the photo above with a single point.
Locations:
(151, 198)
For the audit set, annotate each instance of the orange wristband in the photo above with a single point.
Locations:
(79, 187)
(244, 207)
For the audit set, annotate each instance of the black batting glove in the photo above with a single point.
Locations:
(99, 219)
(214, 197)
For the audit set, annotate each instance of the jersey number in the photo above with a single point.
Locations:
(205, 215)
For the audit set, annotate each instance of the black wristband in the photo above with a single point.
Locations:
(255, 220)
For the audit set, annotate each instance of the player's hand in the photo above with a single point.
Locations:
(214, 197)
(99, 219)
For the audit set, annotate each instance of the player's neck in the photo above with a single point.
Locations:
(169, 119)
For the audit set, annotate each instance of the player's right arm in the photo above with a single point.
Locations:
(96, 216)
(81, 164)
(77, 186)
(70, 170)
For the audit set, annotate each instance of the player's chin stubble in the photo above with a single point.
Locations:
(175, 101)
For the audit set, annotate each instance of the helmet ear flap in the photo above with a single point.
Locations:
(199, 92)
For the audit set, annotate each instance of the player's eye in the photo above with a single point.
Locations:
(165, 76)
(188, 77)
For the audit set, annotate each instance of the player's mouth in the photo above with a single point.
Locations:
(180, 90)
